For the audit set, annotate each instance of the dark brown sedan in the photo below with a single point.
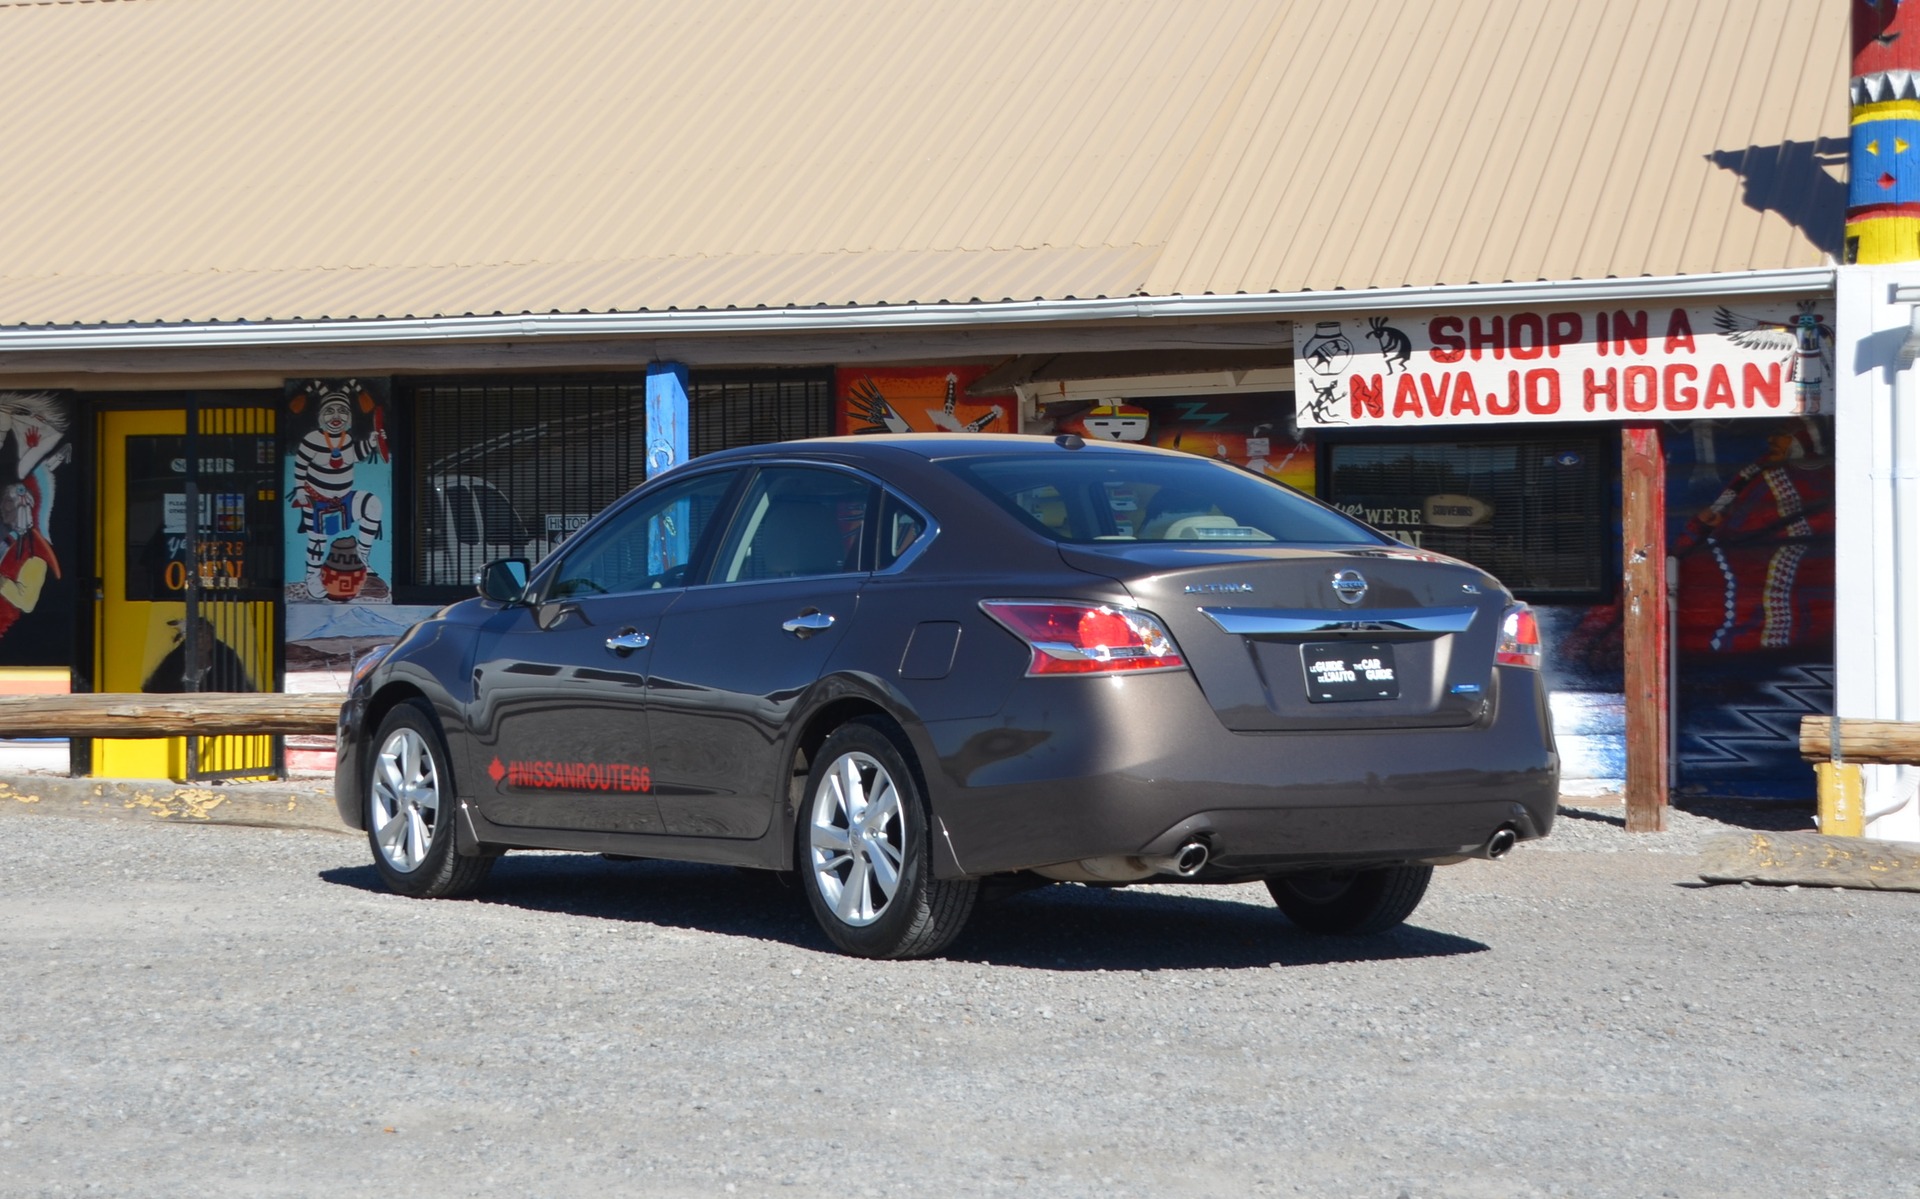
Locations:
(896, 666)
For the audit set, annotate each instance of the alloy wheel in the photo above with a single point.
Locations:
(405, 799)
(856, 839)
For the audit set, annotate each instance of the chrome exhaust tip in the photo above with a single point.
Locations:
(1191, 859)
(1185, 862)
(1501, 843)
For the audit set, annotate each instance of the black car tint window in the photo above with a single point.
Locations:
(646, 546)
(1147, 497)
(795, 523)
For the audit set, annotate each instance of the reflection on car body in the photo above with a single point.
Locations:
(899, 665)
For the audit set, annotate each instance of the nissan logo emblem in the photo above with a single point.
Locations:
(1350, 586)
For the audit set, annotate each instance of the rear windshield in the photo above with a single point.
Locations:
(1147, 497)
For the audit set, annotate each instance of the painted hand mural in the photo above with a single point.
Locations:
(915, 400)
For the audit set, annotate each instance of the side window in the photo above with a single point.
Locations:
(900, 528)
(797, 522)
(646, 546)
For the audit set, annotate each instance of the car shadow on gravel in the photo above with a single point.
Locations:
(1069, 927)
(1060, 927)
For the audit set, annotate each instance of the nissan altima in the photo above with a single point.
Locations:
(898, 667)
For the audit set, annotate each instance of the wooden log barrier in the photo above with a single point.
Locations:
(1864, 742)
(1811, 860)
(202, 713)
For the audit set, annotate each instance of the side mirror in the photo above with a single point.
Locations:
(504, 580)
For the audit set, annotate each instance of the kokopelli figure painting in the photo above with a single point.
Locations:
(1395, 345)
(340, 520)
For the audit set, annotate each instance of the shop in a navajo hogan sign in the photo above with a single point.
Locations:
(1514, 366)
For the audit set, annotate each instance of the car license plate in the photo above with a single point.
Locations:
(1340, 671)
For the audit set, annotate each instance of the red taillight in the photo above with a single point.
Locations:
(1519, 639)
(1071, 638)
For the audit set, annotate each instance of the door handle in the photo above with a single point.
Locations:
(626, 641)
(808, 623)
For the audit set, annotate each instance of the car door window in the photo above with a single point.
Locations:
(798, 522)
(646, 546)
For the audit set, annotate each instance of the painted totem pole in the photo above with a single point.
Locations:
(1875, 438)
(1883, 161)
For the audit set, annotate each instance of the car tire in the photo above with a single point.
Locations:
(861, 846)
(410, 810)
(1351, 902)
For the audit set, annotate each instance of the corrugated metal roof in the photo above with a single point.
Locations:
(218, 160)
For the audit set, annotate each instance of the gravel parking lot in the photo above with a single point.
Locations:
(241, 1011)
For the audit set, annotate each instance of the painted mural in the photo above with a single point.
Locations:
(37, 597)
(1251, 431)
(338, 479)
(1750, 532)
(916, 399)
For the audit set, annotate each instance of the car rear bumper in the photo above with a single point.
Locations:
(1078, 768)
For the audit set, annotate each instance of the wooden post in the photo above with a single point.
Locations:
(1643, 600)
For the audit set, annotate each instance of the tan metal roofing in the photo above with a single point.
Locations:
(213, 160)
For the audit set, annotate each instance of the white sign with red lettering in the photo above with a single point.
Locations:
(1565, 364)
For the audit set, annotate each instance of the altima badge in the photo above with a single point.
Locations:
(1350, 586)
(1215, 588)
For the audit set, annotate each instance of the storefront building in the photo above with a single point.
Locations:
(257, 429)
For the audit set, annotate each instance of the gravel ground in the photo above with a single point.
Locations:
(213, 1010)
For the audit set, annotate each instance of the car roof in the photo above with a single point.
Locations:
(936, 446)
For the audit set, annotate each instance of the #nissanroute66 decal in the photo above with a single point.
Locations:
(571, 776)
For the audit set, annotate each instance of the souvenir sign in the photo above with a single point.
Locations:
(1512, 366)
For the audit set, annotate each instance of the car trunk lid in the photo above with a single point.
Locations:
(1326, 638)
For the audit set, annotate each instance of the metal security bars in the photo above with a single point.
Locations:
(504, 469)
(229, 637)
(508, 470)
(758, 407)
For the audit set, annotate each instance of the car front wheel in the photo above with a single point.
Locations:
(410, 810)
(861, 845)
(1351, 902)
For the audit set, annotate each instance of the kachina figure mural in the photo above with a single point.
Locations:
(342, 471)
(1805, 342)
(33, 447)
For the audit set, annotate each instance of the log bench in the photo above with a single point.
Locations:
(1867, 742)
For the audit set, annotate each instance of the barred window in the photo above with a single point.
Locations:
(754, 408)
(506, 470)
(509, 468)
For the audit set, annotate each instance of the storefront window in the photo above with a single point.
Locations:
(1530, 512)
(505, 469)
